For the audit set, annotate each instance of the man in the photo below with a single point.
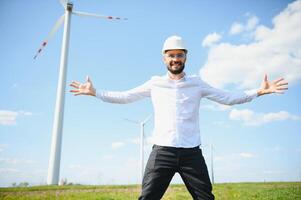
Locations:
(176, 99)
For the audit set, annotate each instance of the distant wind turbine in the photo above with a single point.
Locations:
(55, 154)
(212, 169)
(212, 148)
(142, 123)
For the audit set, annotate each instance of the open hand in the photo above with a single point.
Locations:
(83, 88)
(275, 86)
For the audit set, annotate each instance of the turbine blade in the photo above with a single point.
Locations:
(84, 14)
(57, 24)
(148, 118)
(63, 3)
(129, 120)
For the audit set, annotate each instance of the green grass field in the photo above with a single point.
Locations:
(228, 191)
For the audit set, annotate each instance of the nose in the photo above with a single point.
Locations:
(175, 58)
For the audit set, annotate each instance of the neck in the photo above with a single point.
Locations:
(176, 76)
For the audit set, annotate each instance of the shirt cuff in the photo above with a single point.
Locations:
(99, 94)
(252, 93)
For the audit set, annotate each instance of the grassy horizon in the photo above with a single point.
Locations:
(222, 191)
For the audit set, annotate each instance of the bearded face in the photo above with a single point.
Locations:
(175, 61)
(176, 67)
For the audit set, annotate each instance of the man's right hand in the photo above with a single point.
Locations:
(83, 88)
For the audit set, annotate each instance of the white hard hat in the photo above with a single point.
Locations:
(173, 42)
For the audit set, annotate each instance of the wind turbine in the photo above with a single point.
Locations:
(56, 144)
(212, 148)
(212, 172)
(142, 123)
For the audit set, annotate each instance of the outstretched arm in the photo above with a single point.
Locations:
(231, 98)
(83, 88)
(128, 96)
(275, 86)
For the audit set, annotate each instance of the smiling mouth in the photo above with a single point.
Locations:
(176, 64)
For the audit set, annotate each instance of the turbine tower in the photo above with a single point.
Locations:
(212, 172)
(141, 124)
(56, 144)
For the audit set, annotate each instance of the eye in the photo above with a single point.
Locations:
(170, 55)
(180, 55)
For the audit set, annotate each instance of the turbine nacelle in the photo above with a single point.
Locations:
(69, 7)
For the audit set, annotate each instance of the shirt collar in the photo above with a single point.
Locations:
(182, 79)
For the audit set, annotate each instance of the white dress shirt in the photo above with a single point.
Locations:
(176, 106)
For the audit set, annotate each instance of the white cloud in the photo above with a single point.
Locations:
(234, 156)
(250, 25)
(132, 162)
(8, 170)
(26, 113)
(135, 140)
(108, 157)
(250, 118)
(85, 170)
(275, 51)
(150, 140)
(221, 123)
(219, 158)
(215, 107)
(147, 142)
(15, 161)
(8, 117)
(82, 173)
(273, 172)
(236, 28)
(117, 145)
(211, 39)
(246, 155)
(35, 176)
(274, 149)
(2, 147)
(75, 166)
(244, 115)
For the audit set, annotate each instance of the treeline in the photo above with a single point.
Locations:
(22, 184)
(26, 184)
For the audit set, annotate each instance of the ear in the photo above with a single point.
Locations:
(164, 58)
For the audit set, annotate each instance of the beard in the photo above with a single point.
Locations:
(179, 70)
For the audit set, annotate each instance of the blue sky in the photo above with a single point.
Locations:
(231, 45)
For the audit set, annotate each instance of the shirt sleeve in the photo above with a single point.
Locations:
(123, 97)
(227, 98)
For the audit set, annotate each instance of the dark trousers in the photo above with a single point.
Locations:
(164, 162)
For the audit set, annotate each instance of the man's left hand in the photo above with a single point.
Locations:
(275, 86)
